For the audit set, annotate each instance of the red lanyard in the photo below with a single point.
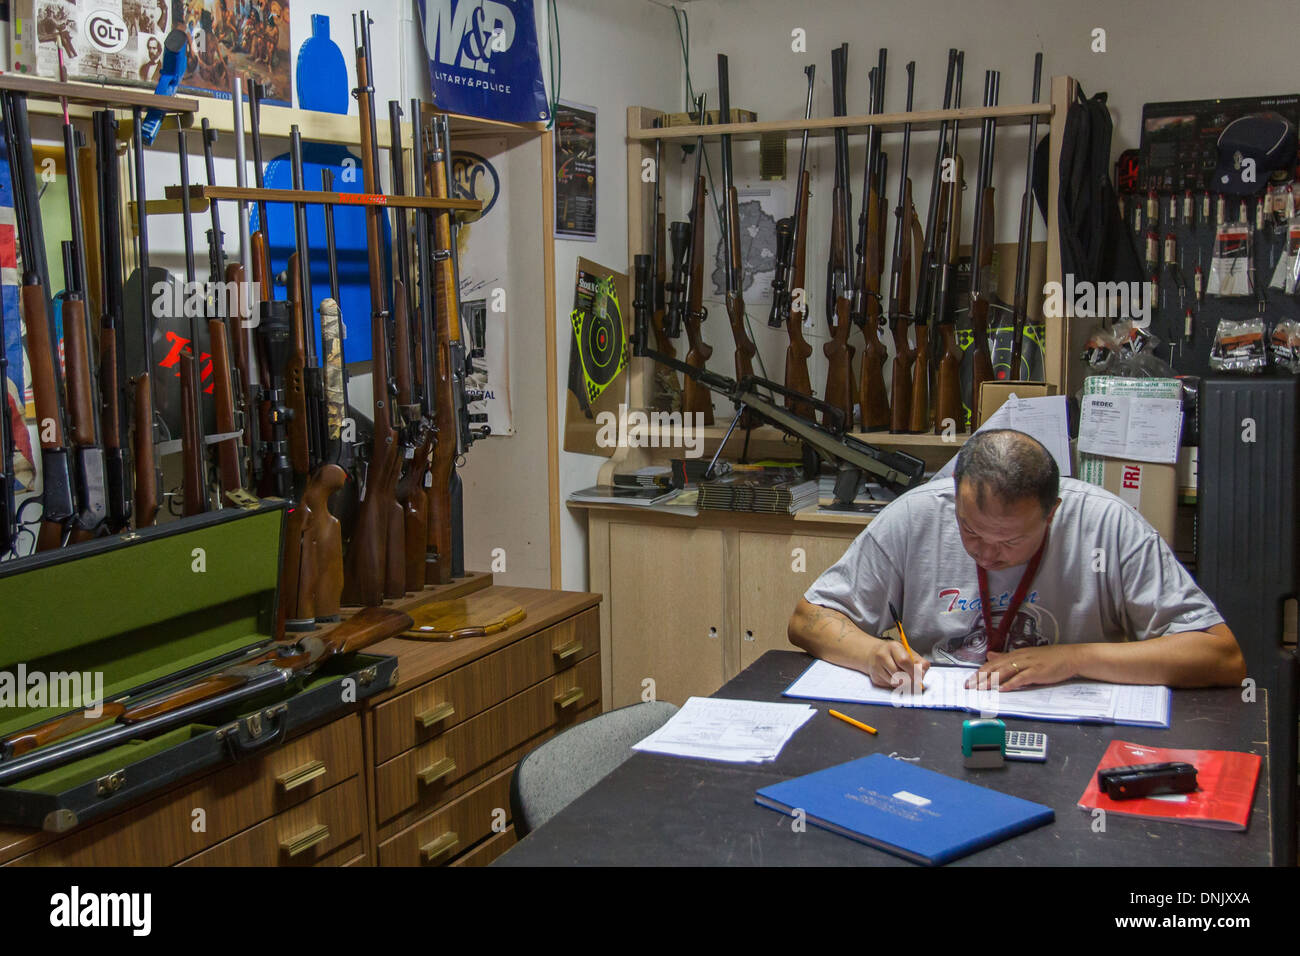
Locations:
(997, 640)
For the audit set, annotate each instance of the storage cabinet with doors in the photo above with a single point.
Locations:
(693, 599)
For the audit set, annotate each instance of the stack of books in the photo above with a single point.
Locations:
(770, 491)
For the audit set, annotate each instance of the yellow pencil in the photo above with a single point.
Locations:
(903, 636)
(856, 723)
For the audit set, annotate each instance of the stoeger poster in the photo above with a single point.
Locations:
(575, 171)
(483, 59)
(485, 287)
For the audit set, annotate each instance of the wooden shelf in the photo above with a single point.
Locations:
(321, 198)
(92, 94)
(826, 125)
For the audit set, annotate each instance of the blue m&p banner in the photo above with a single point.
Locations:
(483, 59)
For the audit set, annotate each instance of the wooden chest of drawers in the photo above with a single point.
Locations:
(416, 776)
(444, 743)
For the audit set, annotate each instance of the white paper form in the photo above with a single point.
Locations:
(1130, 427)
(737, 731)
(945, 689)
(1043, 418)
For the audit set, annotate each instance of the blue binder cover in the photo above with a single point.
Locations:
(906, 810)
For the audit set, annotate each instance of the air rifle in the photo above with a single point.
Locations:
(1020, 303)
(789, 299)
(56, 474)
(690, 237)
(947, 382)
(36, 749)
(981, 279)
(839, 360)
(900, 283)
(927, 272)
(854, 459)
(380, 521)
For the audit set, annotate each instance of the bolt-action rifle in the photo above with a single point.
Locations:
(839, 291)
(866, 311)
(981, 277)
(900, 283)
(922, 368)
(789, 300)
(947, 381)
(733, 273)
(1020, 303)
(380, 520)
(688, 245)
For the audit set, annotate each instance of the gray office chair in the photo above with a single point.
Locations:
(556, 773)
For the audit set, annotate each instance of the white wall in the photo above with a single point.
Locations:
(615, 54)
(1189, 50)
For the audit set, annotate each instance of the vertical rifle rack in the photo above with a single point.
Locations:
(1062, 335)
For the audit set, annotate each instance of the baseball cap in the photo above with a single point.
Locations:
(1269, 139)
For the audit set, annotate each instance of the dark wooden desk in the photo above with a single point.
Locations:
(658, 810)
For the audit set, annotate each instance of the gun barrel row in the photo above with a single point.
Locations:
(925, 311)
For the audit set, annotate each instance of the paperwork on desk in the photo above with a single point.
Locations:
(1137, 705)
(1043, 418)
(737, 731)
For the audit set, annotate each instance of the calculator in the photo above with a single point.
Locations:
(1026, 745)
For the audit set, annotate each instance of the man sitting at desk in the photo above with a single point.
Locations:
(1008, 567)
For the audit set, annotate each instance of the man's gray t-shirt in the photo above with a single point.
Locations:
(1106, 576)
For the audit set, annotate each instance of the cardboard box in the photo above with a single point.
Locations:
(1151, 488)
(993, 395)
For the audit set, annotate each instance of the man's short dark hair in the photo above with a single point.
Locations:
(1009, 464)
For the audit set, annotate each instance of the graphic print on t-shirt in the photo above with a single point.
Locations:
(1034, 626)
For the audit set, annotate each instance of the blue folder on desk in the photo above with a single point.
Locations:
(906, 810)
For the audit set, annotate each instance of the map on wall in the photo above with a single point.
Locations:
(760, 207)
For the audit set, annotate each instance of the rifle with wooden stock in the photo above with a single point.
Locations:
(1020, 303)
(380, 520)
(194, 466)
(839, 367)
(57, 497)
(409, 363)
(268, 456)
(789, 299)
(733, 271)
(114, 398)
(900, 283)
(148, 482)
(922, 368)
(227, 391)
(981, 278)
(144, 715)
(873, 400)
(696, 399)
(947, 375)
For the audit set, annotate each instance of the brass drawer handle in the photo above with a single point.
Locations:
(437, 770)
(436, 713)
(301, 776)
(306, 840)
(569, 698)
(440, 847)
(568, 650)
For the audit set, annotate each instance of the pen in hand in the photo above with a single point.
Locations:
(902, 636)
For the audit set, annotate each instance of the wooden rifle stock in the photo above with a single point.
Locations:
(224, 405)
(901, 324)
(798, 351)
(45, 389)
(410, 495)
(839, 390)
(947, 379)
(324, 534)
(446, 313)
(239, 334)
(145, 501)
(745, 347)
(873, 398)
(81, 395)
(663, 342)
(192, 478)
(919, 420)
